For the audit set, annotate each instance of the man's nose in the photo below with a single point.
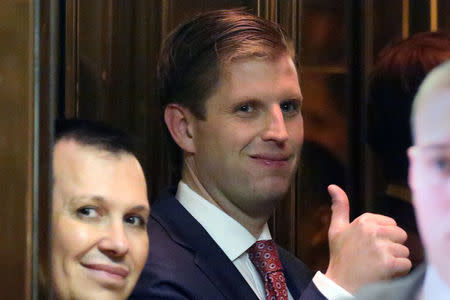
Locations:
(275, 129)
(115, 241)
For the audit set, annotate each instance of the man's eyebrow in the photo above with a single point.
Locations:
(140, 208)
(100, 199)
(295, 98)
(96, 198)
(247, 100)
(435, 146)
(253, 100)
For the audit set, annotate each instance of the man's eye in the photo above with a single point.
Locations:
(246, 108)
(135, 221)
(87, 212)
(443, 164)
(290, 107)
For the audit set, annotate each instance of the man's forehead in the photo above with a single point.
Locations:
(71, 158)
(64, 152)
(70, 147)
(69, 161)
(83, 171)
(433, 118)
(248, 65)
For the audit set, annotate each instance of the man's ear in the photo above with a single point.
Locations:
(411, 167)
(179, 121)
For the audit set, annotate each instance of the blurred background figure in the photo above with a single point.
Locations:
(396, 77)
(429, 179)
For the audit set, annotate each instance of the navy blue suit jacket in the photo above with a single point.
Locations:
(184, 262)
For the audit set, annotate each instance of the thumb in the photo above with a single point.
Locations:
(339, 210)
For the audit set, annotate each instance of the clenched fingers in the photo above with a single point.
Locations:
(375, 218)
(394, 259)
(391, 233)
(401, 267)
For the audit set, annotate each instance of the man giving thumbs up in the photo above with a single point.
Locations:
(365, 250)
(232, 105)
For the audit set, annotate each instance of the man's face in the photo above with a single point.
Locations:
(430, 178)
(248, 148)
(100, 211)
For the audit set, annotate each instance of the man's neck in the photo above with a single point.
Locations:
(254, 225)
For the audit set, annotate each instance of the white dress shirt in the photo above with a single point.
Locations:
(234, 240)
(434, 287)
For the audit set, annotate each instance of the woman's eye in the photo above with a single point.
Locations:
(135, 221)
(87, 212)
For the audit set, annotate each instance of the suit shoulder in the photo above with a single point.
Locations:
(403, 288)
(164, 252)
(170, 271)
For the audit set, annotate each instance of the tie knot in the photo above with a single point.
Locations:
(264, 256)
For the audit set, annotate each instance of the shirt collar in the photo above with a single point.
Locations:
(434, 287)
(233, 238)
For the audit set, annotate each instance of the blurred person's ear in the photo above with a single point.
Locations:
(411, 167)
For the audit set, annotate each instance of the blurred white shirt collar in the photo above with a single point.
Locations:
(434, 287)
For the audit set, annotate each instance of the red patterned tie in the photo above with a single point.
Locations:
(264, 256)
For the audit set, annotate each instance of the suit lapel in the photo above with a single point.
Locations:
(221, 271)
(298, 276)
(292, 287)
(290, 278)
(208, 256)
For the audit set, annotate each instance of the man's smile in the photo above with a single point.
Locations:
(272, 160)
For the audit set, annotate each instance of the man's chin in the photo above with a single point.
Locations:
(275, 187)
(271, 193)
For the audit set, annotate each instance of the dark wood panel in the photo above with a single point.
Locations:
(387, 24)
(117, 49)
(178, 11)
(443, 7)
(47, 90)
(16, 148)
(419, 16)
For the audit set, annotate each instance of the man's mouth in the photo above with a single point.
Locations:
(275, 160)
(111, 274)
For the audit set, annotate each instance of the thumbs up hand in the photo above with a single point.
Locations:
(366, 250)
